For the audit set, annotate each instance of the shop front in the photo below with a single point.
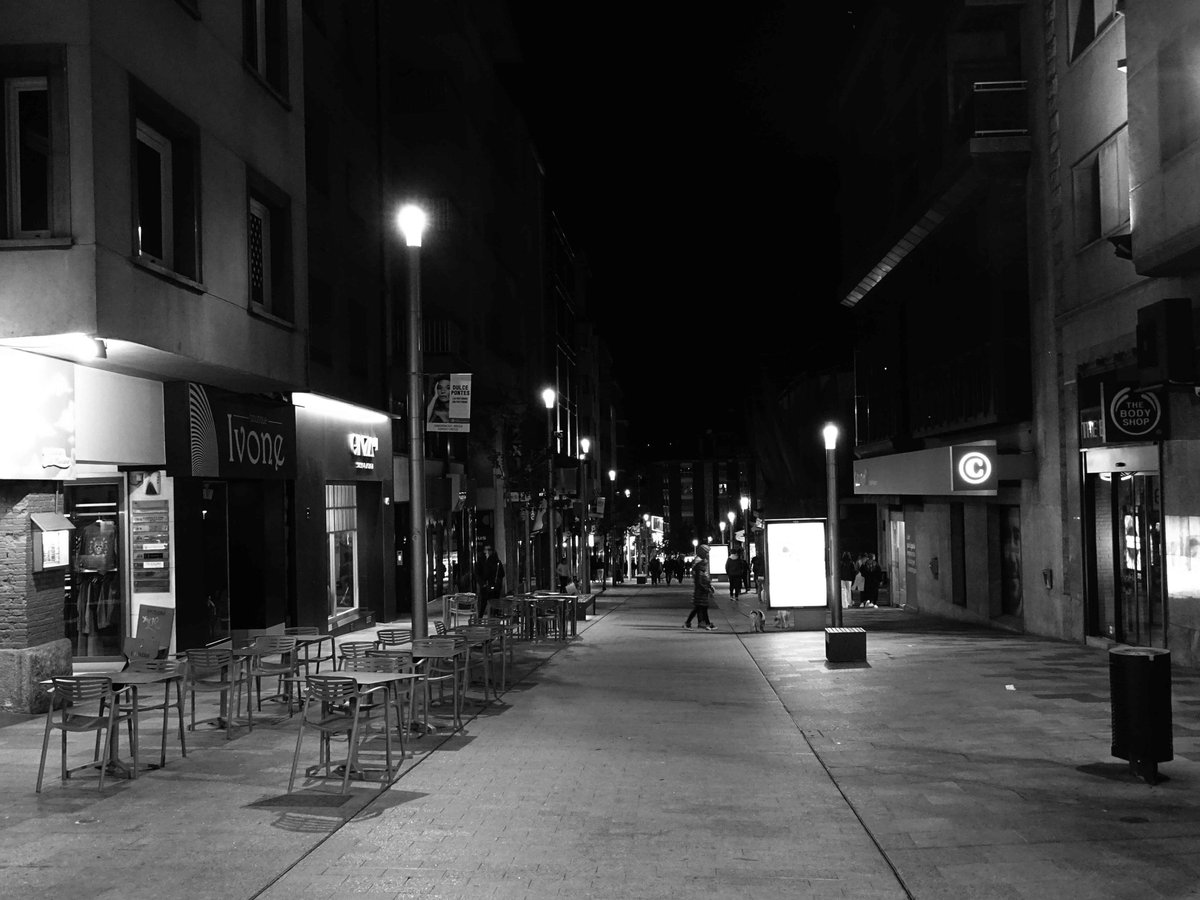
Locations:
(344, 531)
(232, 462)
(949, 528)
(77, 443)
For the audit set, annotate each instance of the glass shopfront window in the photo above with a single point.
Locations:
(341, 527)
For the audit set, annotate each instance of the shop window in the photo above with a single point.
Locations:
(268, 249)
(264, 40)
(34, 202)
(166, 186)
(1101, 189)
(94, 602)
(341, 528)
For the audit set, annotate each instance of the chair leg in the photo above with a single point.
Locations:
(351, 752)
(296, 755)
(179, 711)
(45, 745)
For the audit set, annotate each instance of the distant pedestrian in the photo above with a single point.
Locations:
(756, 565)
(846, 572)
(735, 568)
(491, 579)
(655, 570)
(872, 576)
(668, 569)
(702, 591)
(565, 575)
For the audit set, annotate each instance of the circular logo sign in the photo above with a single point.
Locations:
(1135, 412)
(974, 468)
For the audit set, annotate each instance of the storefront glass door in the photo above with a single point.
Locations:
(94, 608)
(1126, 598)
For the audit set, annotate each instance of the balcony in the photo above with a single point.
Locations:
(994, 118)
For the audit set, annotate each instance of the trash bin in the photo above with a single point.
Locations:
(1140, 687)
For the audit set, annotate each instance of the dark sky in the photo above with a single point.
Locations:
(688, 155)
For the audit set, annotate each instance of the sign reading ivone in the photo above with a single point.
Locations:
(1131, 414)
(363, 448)
(215, 434)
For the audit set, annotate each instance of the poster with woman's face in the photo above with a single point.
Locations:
(448, 402)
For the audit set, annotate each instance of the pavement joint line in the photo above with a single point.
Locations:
(829, 774)
(443, 738)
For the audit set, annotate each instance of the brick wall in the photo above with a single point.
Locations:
(30, 603)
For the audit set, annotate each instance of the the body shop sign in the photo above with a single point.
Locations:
(215, 434)
(1131, 414)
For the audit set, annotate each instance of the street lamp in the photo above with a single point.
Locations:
(732, 517)
(548, 397)
(721, 525)
(411, 221)
(830, 433)
(584, 570)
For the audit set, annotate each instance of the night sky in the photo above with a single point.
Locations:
(690, 159)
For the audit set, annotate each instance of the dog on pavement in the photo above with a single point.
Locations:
(758, 620)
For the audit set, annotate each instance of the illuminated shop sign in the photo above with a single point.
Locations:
(796, 563)
(1131, 414)
(961, 469)
(364, 447)
(215, 434)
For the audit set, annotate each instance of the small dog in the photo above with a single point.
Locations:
(758, 620)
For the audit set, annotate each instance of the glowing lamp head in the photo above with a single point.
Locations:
(548, 397)
(411, 220)
(585, 445)
(612, 474)
(745, 503)
(830, 432)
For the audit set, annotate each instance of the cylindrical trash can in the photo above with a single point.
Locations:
(1140, 686)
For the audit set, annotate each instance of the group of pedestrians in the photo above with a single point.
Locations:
(671, 567)
(861, 579)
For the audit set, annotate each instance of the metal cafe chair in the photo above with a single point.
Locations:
(353, 650)
(70, 694)
(333, 705)
(309, 644)
(399, 693)
(393, 637)
(165, 703)
(213, 670)
(440, 657)
(274, 656)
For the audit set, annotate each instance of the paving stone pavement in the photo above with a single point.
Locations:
(644, 761)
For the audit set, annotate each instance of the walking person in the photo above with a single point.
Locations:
(872, 576)
(735, 568)
(565, 574)
(491, 580)
(667, 569)
(756, 565)
(656, 567)
(846, 573)
(702, 592)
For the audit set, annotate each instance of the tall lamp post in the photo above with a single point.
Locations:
(585, 573)
(411, 220)
(721, 525)
(610, 518)
(830, 432)
(548, 397)
(732, 517)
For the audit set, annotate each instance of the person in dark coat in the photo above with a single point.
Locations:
(491, 579)
(702, 591)
(735, 569)
(872, 576)
(655, 569)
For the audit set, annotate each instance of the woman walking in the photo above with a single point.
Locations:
(702, 592)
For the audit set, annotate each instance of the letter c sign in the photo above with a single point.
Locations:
(974, 469)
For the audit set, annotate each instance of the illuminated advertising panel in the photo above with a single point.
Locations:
(718, 555)
(795, 567)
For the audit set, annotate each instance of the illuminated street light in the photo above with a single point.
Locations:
(548, 397)
(830, 432)
(585, 445)
(411, 221)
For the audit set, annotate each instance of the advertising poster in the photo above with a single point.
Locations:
(796, 563)
(448, 402)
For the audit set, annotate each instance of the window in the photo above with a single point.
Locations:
(264, 40)
(268, 226)
(341, 529)
(156, 239)
(1101, 185)
(166, 187)
(1088, 19)
(34, 163)
(27, 131)
(1179, 93)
